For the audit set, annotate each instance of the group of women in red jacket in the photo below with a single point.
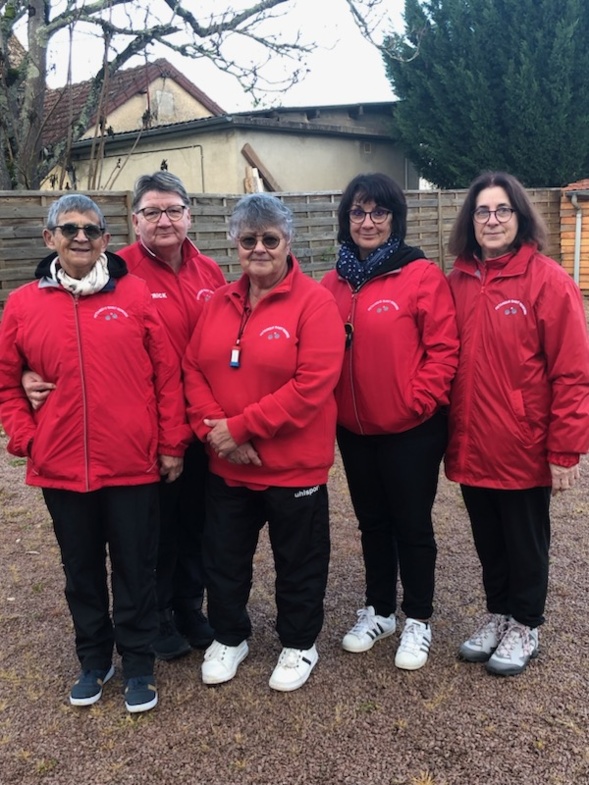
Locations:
(489, 367)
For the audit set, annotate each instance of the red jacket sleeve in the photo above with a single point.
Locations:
(173, 431)
(436, 316)
(201, 402)
(16, 413)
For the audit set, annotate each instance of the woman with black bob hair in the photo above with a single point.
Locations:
(519, 418)
(402, 353)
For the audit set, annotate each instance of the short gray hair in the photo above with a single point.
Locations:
(73, 203)
(159, 181)
(257, 212)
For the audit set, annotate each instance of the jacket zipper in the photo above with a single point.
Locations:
(83, 386)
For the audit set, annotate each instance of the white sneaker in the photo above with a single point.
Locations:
(293, 669)
(517, 647)
(414, 646)
(480, 646)
(369, 628)
(221, 662)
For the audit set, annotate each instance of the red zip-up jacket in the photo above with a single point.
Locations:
(118, 400)
(281, 396)
(403, 355)
(179, 297)
(521, 396)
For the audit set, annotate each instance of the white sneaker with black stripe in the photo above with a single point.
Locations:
(414, 646)
(369, 628)
(293, 668)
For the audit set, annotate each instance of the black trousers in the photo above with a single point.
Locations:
(179, 561)
(298, 527)
(511, 531)
(125, 519)
(393, 479)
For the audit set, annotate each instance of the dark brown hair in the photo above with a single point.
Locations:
(380, 189)
(531, 226)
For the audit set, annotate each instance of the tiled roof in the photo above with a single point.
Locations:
(65, 103)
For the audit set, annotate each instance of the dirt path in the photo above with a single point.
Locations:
(358, 721)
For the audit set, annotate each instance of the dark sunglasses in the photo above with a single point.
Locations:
(269, 241)
(91, 231)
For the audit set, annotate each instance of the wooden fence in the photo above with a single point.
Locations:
(430, 218)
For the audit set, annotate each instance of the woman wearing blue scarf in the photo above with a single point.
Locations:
(402, 354)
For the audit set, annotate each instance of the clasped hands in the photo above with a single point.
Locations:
(221, 442)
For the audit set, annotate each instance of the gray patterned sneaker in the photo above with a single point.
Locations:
(414, 646)
(480, 646)
(518, 646)
(369, 628)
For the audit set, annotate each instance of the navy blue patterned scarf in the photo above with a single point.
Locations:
(357, 271)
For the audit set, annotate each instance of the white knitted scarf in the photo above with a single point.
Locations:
(92, 282)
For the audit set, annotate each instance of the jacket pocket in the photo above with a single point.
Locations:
(519, 410)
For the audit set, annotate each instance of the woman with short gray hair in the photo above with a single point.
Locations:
(260, 372)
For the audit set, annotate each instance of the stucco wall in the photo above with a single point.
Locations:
(167, 102)
(213, 162)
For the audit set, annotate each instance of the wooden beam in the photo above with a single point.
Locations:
(253, 160)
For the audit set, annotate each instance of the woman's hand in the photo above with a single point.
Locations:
(563, 477)
(36, 388)
(220, 438)
(171, 467)
(245, 453)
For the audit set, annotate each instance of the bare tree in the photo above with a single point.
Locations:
(128, 28)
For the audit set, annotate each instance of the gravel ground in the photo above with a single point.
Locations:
(358, 721)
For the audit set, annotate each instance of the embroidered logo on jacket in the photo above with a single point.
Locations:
(159, 295)
(274, 333)
(382, 306)
(110, 312)
(204, 294)
(512, 307)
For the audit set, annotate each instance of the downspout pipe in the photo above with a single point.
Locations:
(575, 197)
(578, 231)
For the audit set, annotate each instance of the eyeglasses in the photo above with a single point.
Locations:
(482, 214)
(153, 214)
(269, 241)
(70, 231)
(377, 216)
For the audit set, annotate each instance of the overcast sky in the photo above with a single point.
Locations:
(347, 69)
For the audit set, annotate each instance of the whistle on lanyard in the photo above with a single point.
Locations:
(235, 354)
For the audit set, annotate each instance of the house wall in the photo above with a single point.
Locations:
(167, 102)
(213, 162)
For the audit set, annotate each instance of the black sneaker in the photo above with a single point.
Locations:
(140, 693)
(169, 644)
(194, 626)
(88, 688)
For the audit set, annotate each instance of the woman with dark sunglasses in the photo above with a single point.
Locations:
(401, 357)
(259, 376)
(113, 425)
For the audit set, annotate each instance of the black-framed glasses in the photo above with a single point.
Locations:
(269, 241)
(482, 214)
(153, 214)
(92, 231)
(377, 216)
